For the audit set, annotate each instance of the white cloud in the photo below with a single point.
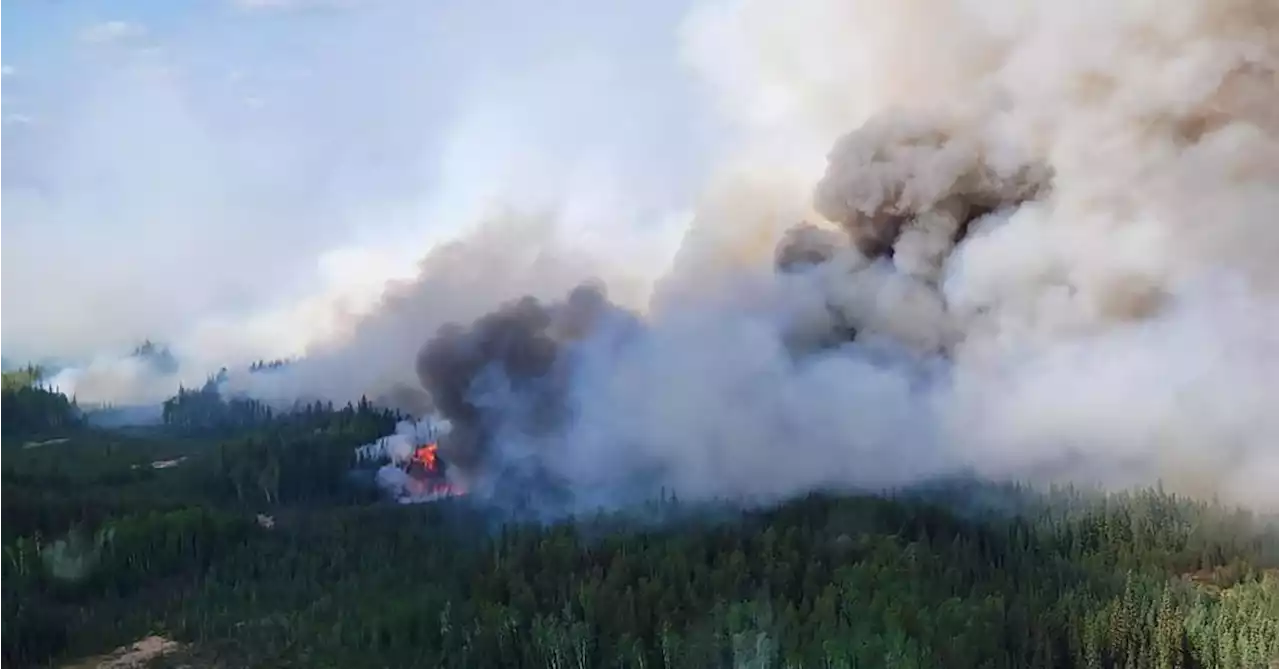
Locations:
(112, 31)
(8, 70)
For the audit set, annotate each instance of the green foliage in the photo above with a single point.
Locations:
(30, 375)
(817, 582)
(101, 548)
(96, 518)
(30, 409)
(205, 412)
(302, 456)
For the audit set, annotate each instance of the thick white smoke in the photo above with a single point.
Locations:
(399, 446)
(117, 379)
(1110, 314)
(393, 451)
(242, 185)
(1052, 226)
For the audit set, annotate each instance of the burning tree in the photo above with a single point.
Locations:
(427, 472)
(413, 470)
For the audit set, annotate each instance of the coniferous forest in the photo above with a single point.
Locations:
(240, 532)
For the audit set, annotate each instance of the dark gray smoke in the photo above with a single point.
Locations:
(505, 377)
(1042, 248)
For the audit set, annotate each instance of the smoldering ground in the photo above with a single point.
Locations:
(1045, 251)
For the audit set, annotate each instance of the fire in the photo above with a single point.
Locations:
(430, 481)
(426, 456)
(424, 475)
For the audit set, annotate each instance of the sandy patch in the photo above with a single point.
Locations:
(46, 442)
(161, 464)
(129, 657)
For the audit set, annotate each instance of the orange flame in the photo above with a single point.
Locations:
(426, 456)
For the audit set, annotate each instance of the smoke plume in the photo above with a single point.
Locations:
(1046, 252)
(1034, 241)
(506, 378)
(242, 185)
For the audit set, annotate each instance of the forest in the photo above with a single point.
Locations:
(28, 406)
(242, 533)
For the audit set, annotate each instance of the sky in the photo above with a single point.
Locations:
(225, 175)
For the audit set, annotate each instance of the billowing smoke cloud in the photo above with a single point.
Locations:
(1046, 251)
(507, 375)
(393, 452)
(117, 379)
(1033, 242)
(506, 257)
(399, 446)
(199, 184)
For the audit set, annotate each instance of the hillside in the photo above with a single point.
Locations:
(110, 538)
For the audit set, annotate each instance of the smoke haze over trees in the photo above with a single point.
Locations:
(988, 253)
(1003, 267)
(825, 333)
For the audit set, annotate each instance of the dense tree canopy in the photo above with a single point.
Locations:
(30, 408)
(109, 536)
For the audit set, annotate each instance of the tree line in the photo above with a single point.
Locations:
(824, 581)
(110, 536)
(29, 407)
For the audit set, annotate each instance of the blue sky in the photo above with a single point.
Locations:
(172, 168)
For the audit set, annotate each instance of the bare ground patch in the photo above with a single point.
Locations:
(46, 442)
(138, 654)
